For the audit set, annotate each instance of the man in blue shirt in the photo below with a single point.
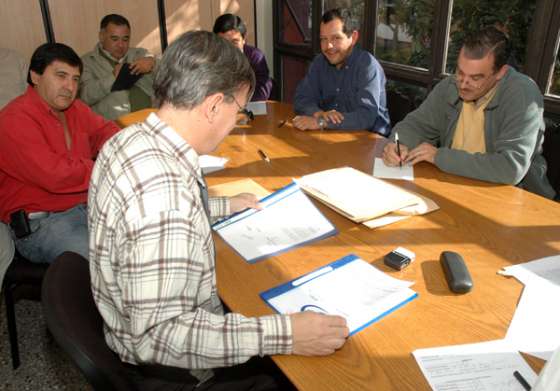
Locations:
(345, 86)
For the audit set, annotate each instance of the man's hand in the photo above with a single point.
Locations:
(423, 153)
(317, 334)
(142, 65)
(243, 201)
(331, 116)
(390, 154)
(117, 69)
(305, 122)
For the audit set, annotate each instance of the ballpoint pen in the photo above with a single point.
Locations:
(282, 123)
(522, 380)
(264, 156)
(398, 149)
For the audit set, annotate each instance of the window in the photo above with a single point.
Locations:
(296, 27)
(513, 17)
(404, 32)
(554, 86)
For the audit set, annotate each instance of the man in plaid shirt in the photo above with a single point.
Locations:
(151, 249)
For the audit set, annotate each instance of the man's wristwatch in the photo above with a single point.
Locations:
(322, 123)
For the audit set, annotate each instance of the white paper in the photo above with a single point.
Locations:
(544, 269)
(381, 170)
(288, 218)
(209, 163)
(486, 366)
(359, 195)
(549, 378)
(258, 107)
(535, 327)
(357, 291)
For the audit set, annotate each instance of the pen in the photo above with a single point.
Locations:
(282, 123)
(522, 380)
(398, 148)
(264, 156)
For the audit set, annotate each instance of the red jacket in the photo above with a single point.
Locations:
(37, 171)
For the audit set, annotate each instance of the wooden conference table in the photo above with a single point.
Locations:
(490, 225)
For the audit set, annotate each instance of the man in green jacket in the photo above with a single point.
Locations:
(103, 64)
(485, 122)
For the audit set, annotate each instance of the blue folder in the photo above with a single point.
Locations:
(272, 293)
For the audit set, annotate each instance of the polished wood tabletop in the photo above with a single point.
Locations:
(490, 225)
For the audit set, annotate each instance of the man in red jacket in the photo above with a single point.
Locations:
(48, 143)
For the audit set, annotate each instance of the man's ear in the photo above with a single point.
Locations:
(211, 105)
(34, 77)
(502, 72)
(355, 36)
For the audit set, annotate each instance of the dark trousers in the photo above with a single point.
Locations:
(257, 374)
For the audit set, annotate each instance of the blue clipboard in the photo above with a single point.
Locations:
(272, 293)
(268, 201)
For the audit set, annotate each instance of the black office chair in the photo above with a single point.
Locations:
(23, 280)
(551, 146)
(399, 106)
(77, 326)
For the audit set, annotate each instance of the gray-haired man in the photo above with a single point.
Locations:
(152, 254)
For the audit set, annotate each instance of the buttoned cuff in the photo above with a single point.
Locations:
(276, 334)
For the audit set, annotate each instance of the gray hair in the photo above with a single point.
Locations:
(197, 65)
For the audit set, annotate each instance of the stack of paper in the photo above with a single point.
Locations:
(287, 219)
(361, 197)
(349, 287)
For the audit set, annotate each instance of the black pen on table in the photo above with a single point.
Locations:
(522, 380)
(264, 156)
(398, 148)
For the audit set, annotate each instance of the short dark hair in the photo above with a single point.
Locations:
(228, 22)
(197, 65)
(478, 44)
(349, 22)
(47, 53)
(116, 19)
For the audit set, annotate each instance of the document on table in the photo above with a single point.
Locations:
(209, 163)
(356, 195)
(381, 170)
(486, 366)
(288, 219)
(535, 324)
(425, 205)
(258, 107)
(349, 287)
(535, 327)
(537, 271)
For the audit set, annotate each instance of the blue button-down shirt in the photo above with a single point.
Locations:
(357, 90)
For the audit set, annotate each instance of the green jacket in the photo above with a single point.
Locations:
(513, 126)
(97, 79)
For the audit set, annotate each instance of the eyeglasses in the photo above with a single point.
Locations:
(477, 82)
(242, 109)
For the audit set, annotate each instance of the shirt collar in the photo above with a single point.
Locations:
(175, 145)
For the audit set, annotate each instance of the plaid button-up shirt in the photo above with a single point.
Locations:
(153, 263)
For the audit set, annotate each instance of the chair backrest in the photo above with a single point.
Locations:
(551, 148)
(399, 106)
(74, 321)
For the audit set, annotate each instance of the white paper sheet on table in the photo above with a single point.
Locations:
(535, 271)
(258, 107)
(287, 219)
(485, 366)
(535, 327)
(209, 163)
(381, 170)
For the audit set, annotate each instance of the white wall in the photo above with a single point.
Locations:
(265, 38)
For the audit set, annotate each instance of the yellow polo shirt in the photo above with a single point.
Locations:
(469, 134)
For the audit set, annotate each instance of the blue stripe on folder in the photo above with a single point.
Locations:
(317, 273)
